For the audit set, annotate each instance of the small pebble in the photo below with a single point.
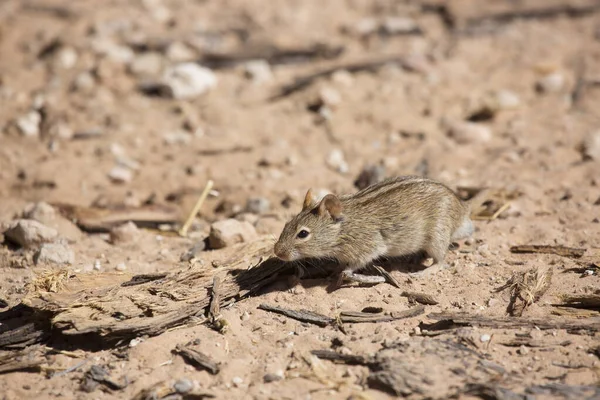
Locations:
(180, 52)
(147, 65)
(485, 338)
(29, 124)
(237, 381)
(469, 132)
(120, 174)
(97, 265)
(273, 377)
(590, 147)
(399, 25)
(258, 71)
(121, 267)
(551, 83)
(183, 386)
(330, 97)
(335, 160)
(188, 80)
(258, 205)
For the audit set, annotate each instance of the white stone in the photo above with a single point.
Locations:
(120, 174)
(147, 65)
(335, 160)
(189, 80)
(113, 51)
(591, 146)
(259, 71)
(330, 97)
(485, 338)
(551, 83)
(180, 52)
(507, 100)
(178, 137)
(469, 132)
(29, 124)
(398, 25)
(67, 57)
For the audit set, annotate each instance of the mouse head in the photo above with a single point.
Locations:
(313, 232)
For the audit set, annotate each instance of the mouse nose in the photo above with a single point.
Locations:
(280, 253)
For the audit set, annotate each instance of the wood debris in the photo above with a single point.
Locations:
(449, 320)
(420, 298)
(589, 301)
(543, 249)
(96, 219)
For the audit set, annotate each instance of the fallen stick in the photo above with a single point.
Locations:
(300, 315)
(199, 360)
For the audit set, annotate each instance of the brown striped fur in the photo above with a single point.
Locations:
(397, 217)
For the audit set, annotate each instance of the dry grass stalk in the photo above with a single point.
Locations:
(50, 280)
(190, 218)
(526, 288)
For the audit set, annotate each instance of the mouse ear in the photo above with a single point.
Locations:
(309, 200)
(332, 205)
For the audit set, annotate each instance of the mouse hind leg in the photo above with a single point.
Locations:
(437, 248)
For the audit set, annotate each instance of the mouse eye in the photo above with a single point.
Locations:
(303, 234)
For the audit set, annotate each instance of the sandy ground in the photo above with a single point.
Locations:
(71, 64)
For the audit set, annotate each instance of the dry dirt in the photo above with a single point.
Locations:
(525, 73)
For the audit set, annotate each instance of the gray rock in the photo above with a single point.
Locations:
(229, 232)
(47, 215)
(258, 205)
(30, 233)
(54, 253)
(193, 251)
(126, 233)
(188, 80)
(183, 386)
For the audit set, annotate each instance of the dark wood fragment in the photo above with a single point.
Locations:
(144, 278)
(348, 359)
(558, 250)
(300, 315)
(388, 277)
(272, 54)
(199, 360)
(214, 308)
(357, 317)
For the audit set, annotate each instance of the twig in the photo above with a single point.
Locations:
(184, 229)
(388, 277)
(301, 315)
(197, 359)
